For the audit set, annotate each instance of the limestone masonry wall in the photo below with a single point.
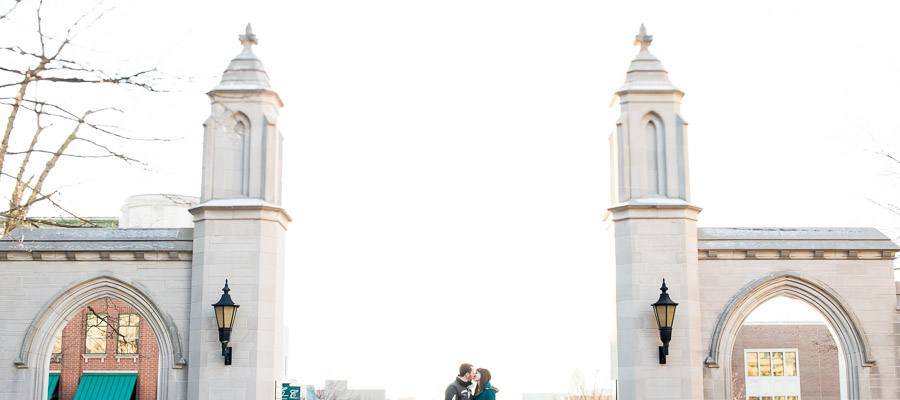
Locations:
(852, 266)
(34, 296)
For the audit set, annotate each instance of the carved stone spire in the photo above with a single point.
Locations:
(242, 156)
(646, 71)
(245, 72)
(650, 144)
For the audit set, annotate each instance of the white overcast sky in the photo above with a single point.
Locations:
(447, 162)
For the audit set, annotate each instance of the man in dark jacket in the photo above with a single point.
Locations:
(459, 389)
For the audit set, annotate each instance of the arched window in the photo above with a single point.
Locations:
(233, 158)
(656, 157)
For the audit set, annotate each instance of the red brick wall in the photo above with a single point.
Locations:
(817, 354)
(72, 363)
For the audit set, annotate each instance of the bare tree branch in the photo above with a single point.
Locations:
(103, 128)
(11, 9)
(887, 206)
(128, 80)
(18, 206)
(888, 156)
(48, 198)
(16, 153)
(17, 212)
(112, 153)
(4, 142)
(40, 27)
(38, 65)
(19, 215)
(14, 71)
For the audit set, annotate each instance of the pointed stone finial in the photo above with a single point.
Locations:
(245, 72)
(248, 39)
(642, 37)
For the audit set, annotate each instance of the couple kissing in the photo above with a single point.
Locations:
(471, 384)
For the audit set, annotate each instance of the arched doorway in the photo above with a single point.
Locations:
(848, 334)
(785, 349)
(36, 351)
(107, 344)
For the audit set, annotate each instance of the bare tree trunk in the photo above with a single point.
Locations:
(50, 68)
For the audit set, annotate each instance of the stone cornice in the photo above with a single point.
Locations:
(788, 254)
(794, 243)
(88, 255)
(238, 92)
(75, 244)
(662, 208)
(240, 209)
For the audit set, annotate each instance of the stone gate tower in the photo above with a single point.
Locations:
(239, 233)
(655, 236)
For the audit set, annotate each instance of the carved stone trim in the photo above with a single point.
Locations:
(68, 301)
(846, 326)
(79, 256)
(791, 254)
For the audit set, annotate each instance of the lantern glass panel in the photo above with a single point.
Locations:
(665, 314)
(660, 316)
(220, 316)
(229, 316)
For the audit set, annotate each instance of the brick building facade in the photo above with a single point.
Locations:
(78, 350)
(817, 357)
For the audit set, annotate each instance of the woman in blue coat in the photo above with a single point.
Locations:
(484, 391)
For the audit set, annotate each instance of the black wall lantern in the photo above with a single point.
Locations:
(225, 312)
(664, 308)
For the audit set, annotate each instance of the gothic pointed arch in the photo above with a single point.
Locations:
(655, 145)
(36, 347)
(239, 137)
(849, 334)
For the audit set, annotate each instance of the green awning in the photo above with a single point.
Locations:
(54, 380)
(105, 387)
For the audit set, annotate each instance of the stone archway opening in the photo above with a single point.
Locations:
(111, 294)
(854, 351)
(107, 340)
(786, 349)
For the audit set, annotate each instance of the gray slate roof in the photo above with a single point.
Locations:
(793, 239)
(99, 239)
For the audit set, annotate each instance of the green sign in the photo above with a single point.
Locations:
(289, 392)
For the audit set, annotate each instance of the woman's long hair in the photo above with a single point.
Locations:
(485, 379)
